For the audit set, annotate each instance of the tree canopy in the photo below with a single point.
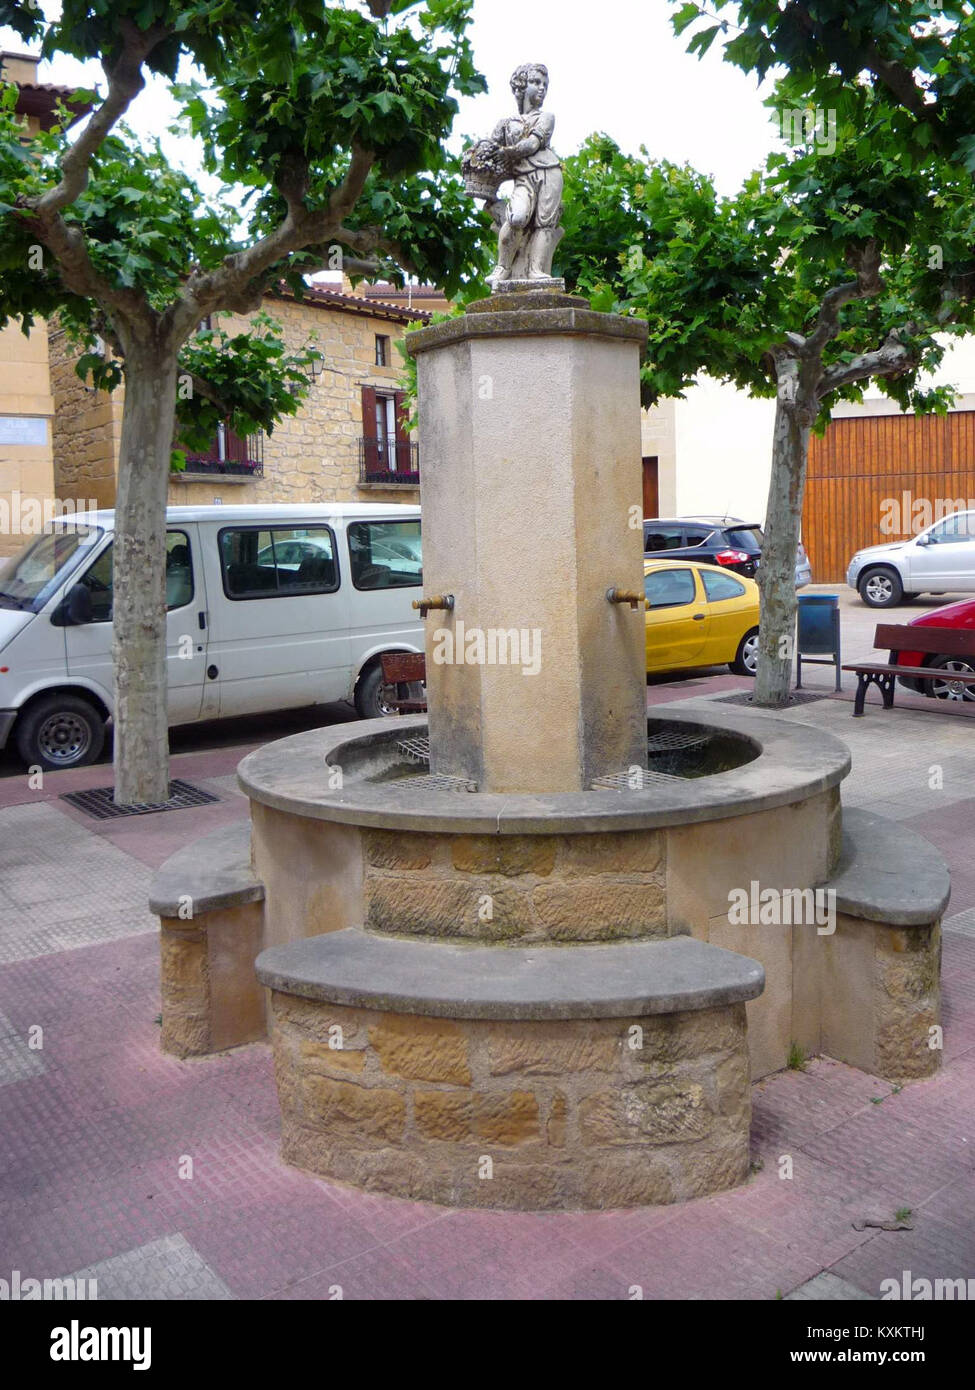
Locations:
(323, 129)
(304, 115)
(722, 281)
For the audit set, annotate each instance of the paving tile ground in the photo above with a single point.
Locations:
(161, 1179)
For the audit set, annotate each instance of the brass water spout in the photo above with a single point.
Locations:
(631, 596)
(437, 601)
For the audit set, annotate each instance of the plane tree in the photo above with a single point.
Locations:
(321, 130)
(877, 199)
(823, 273)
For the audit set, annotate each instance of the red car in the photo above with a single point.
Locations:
(959, 671)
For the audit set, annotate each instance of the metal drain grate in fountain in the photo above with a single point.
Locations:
(416, 749)
(623, 781)
(439, 782)
(670, 740)
(100, 804)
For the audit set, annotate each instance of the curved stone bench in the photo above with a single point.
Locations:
(211, 909)
(547, 1077)
(888, 873)
(880, 971)
(862, 983)
(446, 980)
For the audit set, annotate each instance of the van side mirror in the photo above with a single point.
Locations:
(74, 610)
(925, 540)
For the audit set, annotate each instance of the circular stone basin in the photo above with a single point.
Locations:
(735, 763)
(673, 750)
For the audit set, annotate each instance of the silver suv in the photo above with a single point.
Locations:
(940, 560)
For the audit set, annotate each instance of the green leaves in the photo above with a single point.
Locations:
(655, 240)
(721, 282)
(249, 379)
(686, 16)
(281, 92)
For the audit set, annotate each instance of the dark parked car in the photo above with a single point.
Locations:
(958, 682)
(714, 540)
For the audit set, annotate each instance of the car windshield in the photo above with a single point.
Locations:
(28, 578)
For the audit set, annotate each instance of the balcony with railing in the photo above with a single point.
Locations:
(229, 456)
(388, 462)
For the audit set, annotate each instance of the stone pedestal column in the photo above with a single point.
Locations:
(532, 503)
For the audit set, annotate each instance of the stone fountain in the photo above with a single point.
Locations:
(499, 960)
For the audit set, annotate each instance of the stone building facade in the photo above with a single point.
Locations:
(26, 400)
(348, 440)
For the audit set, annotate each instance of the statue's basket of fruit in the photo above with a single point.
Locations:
(484, 169)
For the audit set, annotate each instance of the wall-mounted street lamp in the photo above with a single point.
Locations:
(315, 366)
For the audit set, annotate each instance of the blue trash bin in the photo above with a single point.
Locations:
(818, 633)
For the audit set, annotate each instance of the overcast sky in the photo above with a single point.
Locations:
(614, 66)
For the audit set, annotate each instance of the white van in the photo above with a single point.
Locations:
(270, 608)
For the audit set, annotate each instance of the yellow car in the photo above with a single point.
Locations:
(700, 615)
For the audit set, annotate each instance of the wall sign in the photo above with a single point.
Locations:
(23, 429)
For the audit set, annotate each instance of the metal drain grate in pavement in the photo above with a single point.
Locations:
(100, 805)
(797, 697)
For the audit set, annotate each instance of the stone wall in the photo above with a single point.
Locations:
(314, 456)
(310, 457)
(87, 429)
(210, 997)
(880, 997)
(577, 1113)
(26, 470)
(525, 887)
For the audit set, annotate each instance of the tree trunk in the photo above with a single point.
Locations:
(139, 637)
(777, 571)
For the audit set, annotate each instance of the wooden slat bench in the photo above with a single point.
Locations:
(403, 669)
(935, 641)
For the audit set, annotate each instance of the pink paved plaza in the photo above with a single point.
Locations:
(162, 1178)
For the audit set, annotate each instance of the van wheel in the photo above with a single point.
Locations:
(60, 731)
(373, 699)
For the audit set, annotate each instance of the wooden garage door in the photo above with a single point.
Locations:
(862, 463)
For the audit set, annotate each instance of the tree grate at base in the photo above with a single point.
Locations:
(796, 697)
(100, 804)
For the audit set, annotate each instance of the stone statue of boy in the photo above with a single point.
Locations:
(528, 223)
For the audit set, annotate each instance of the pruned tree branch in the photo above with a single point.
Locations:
(866, 262)
(125, 82)
(900, 82)
(78, 273)
(896, 77)
(239, 284)
(892, 358)
(371, 239)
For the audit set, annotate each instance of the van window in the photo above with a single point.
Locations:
(28, 579)
(97, 579)
(258, 562)
(385, 554)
